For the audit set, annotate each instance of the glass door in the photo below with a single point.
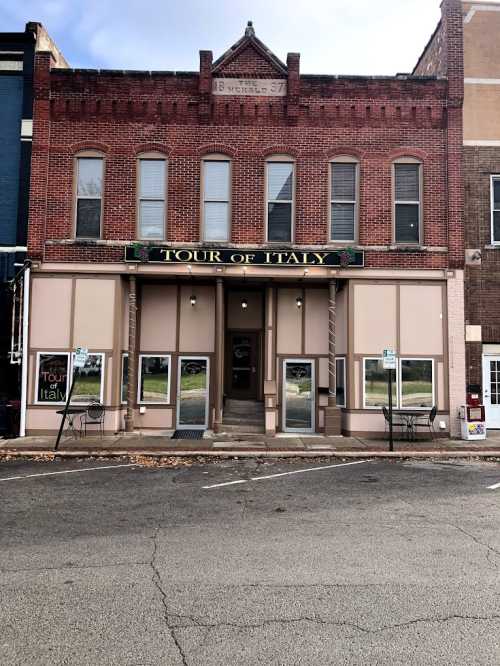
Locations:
(491, 390)
(298, 396)
(192, 393)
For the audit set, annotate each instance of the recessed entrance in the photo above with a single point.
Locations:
(243, 365)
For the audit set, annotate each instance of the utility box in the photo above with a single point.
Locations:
(473, 424)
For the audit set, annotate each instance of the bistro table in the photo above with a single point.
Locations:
(409, 418)
(72, 413)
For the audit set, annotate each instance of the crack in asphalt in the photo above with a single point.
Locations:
(476, 540)
(197, 623)
(156, 578)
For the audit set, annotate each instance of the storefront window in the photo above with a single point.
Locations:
(88, 380)
(376, 392)
(154, 379)
(124, 377)
(52, 378)
(417, 383)
(340, 379)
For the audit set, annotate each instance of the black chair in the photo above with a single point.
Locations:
(427, 422)
(94, 415)
(396, 422)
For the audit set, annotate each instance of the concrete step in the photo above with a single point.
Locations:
(232, 419)
(242, 428)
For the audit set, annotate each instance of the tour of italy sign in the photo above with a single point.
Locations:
(346, 257)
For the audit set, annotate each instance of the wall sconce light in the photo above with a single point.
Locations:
(192, 300)
(298, 300)
(244, 303)
(190, 268)
(306, 271)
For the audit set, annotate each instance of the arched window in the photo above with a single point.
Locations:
(280, 188)
(89, 177)
(216, 197)
(407, 179)
(151, 196)
(344, 199)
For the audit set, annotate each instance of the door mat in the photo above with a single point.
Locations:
(188, 434)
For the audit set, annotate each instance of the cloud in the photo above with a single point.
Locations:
(333, 36)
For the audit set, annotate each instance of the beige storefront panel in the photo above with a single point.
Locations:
(50, 313)
(375, 311)
(316, 321)
(289, 338)
(158, 317)
(94, 313)
(249, 318)
(421, 318)
(197, 322)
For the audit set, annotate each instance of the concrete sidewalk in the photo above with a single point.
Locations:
(247, 446)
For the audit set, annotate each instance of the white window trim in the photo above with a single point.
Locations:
(377, 407)
(400, 389)
(151, 158)
(207, 400)
(216, 158)
(341, 358)
(493, 178)
(139, 377)
(344, 160)
(124, 355)
(408, 160)
(68, 373)
(313, 400)
(103, 376)
(285, 159)
(89, 155)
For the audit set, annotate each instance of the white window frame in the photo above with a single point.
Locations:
(397, 202)
(151, 157)
(103, 376)
(288, 160)
(124, 355)
(139, 377)
(313, 400)
(207, 401)
(341, 358)
(216, 158)
(400, 387)
(344, 159)
(68, 374)
(377, 407)
(493, 178)
(89, 155)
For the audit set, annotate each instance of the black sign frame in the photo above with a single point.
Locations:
(223, 256)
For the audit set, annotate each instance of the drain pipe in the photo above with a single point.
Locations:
(24, 366)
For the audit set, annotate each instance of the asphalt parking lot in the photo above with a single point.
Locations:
(377, 562)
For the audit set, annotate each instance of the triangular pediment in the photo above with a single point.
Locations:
(249, 57)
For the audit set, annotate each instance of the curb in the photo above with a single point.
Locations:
(247, 453)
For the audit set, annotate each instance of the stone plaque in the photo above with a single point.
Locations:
(255, 87)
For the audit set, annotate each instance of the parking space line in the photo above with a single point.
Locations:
(67, 471)
(494, 486)
(274, 476)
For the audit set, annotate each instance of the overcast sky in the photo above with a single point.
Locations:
(332, 36)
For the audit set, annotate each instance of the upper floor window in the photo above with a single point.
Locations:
(343, 200)
(152, 181)
(280, 185)
(407, 201)
(495, 209)
(216, 190)
(89, 196)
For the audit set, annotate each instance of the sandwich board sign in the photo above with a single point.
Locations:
(81, 356)
(389, 359)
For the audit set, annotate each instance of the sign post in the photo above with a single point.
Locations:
(389, 363)
(80, 358)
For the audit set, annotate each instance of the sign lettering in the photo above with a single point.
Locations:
(255, 87)
(163, 255)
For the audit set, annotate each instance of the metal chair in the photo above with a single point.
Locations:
(395, 422)
(94, 415)
(428, 422)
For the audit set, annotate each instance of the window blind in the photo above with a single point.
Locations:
(279, 181)
(151, 218)
(216, 180)
(343, 182)
(407, 185)
(152, 179)
(216, 220)
(343, 221)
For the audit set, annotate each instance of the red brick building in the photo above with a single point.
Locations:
(245, 240)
